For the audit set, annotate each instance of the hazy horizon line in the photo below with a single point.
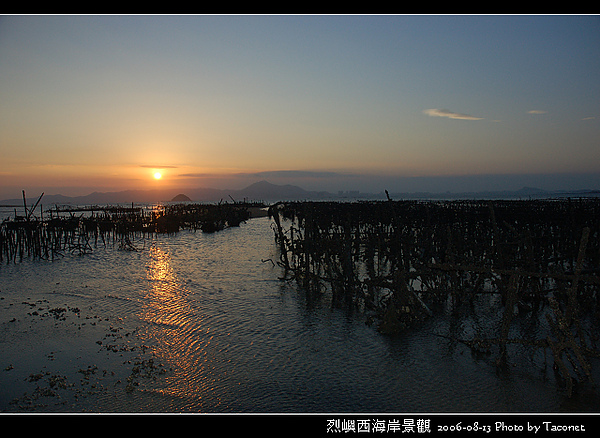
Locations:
(334, 182)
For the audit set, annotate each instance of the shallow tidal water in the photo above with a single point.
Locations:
(196, 322)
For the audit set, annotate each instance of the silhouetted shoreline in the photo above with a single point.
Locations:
(264, 191)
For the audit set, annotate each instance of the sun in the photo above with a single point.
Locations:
(157, 175)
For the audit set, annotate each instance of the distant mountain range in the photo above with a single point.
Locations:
(260, 191)
(267, 192)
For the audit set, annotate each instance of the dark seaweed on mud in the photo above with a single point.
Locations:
(402, 261)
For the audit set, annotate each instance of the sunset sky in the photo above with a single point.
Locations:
(325, 102)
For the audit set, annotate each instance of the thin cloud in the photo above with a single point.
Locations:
(148, 166)
(451, 115)
(537, 112)
(272, 174)
(298, 174)
(589, 118)
(200, 175)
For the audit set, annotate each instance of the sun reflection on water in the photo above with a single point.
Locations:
(178, 333)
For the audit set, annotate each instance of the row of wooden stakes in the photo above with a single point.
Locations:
(402, 261)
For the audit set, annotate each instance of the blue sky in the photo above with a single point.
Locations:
(346, 102)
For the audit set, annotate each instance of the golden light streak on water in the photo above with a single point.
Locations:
(176, 327)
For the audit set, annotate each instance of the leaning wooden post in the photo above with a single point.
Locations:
(511, 300)
(572, 303)
(274, 213)
(25, 206)
(34, 207)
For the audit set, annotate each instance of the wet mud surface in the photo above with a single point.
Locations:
(58, 357)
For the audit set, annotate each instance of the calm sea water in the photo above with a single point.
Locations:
(198, 322)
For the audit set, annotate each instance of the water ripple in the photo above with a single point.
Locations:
(236, 339)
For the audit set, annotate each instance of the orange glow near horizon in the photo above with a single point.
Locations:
(206, 102)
